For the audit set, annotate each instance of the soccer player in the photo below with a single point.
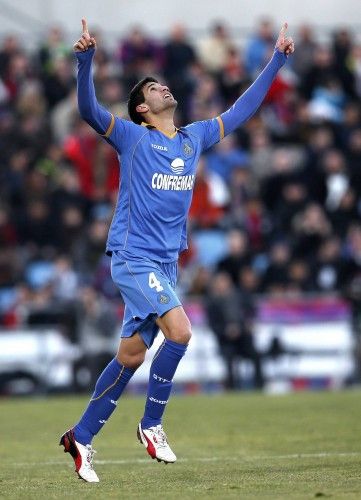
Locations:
(147, 233)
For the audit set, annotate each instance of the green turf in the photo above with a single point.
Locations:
(233, 446)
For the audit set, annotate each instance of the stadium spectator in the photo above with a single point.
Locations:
(298, 276)
(354, 159)
(306, 47)
(59, 83)
(321, 71)
(352, 269)
(179, 56)
(342, 49)
(260, 155)
(327, 268)
(274, 279)
(55, 47)
(206, 211)
(95, 164)
(9, 49)
(259, 47)
(283, 166)
(99, 320)
(206, 98)
(237, 257)
(213, 50)
(352, 274)
(65, 281)
(310, 227)
(233, 75)
(226, 156)
(231, 320)
(292, 200)
(355, 60)
(137, 52)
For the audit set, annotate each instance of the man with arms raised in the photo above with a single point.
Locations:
(147, 234)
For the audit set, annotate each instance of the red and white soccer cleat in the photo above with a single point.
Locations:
(82, 456)
(155, 440)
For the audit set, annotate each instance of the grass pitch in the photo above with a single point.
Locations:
(228, 446)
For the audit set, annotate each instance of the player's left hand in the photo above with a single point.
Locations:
(86, 41)
(285, 44)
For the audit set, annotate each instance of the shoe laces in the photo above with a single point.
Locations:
(161, 436)
(89, 456)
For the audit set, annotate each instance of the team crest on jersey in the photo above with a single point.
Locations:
(163, 298)
(187, 149)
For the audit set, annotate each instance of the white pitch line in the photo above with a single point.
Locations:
(314, 455)
(135, 461)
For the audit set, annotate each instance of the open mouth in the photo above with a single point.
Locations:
(167, 95)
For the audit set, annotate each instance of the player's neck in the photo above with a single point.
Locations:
(164, 124)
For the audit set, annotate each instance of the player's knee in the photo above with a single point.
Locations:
(181, 334)
(131, 360)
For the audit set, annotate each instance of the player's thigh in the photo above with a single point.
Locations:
(175, 325)
(131, 351)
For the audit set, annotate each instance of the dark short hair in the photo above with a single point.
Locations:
(136, 97)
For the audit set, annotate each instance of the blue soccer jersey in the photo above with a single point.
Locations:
(158, 173)
(158, 170)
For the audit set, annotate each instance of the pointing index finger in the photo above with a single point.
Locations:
(284, 29)
(85, 26)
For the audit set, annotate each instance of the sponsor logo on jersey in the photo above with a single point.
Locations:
(173, 182)
(187, 149)
(177, 166)
(160, 148)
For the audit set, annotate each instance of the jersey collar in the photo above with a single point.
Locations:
(151, 127)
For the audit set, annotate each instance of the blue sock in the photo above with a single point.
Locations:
(164, 365)
(108, 390)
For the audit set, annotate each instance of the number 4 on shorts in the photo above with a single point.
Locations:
(154, 283)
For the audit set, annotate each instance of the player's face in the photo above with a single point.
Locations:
(158, 97)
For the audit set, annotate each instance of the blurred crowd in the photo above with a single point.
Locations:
(276, 206)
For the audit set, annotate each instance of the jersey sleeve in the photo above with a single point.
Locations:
(118, 132)
(209, 132)
(123, 134)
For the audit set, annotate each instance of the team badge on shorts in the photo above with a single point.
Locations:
(163, 298)
(187, 149)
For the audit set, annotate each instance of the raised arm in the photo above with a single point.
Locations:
(249, 102)
(90, 110)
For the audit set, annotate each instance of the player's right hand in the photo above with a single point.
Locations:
(285, 44)
(86, 41)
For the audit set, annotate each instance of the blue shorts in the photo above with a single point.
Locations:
(148, 291)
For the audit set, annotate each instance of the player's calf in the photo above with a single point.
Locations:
(131, 352)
